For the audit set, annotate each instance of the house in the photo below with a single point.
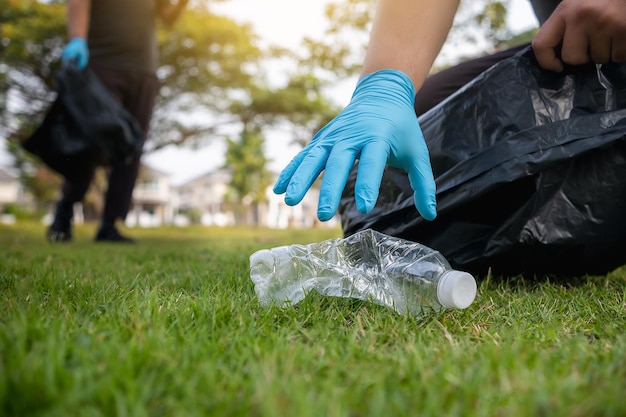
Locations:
(10, 189)
(205, 198)
(154, 201)
(10, 193)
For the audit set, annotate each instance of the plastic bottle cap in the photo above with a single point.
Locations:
(456, 289)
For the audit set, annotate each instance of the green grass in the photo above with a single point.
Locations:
(172, 327)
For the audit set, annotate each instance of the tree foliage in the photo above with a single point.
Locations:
(480, 27)
(247, 163)
(30, 47)
(29, 52)
(212, 74)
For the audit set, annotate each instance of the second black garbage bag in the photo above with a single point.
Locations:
(85, 126)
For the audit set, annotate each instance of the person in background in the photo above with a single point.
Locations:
(115, 39)
(379, 126)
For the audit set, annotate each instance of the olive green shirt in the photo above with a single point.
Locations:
(122, 35)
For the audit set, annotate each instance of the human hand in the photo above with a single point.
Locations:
(76, 50)
(378, 127)
(589, 30)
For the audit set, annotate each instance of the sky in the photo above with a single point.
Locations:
(281, 22)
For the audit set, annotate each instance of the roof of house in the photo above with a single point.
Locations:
(154, 171)
(217, 173)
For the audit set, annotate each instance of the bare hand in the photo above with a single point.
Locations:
(589, 30)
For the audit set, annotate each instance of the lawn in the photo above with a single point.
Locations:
(171, 327)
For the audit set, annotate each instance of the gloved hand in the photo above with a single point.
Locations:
(76, 50)
(378, 127)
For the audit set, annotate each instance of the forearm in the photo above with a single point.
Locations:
(78, 18)
(407, 35)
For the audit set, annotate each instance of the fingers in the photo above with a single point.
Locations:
(618, 39)
(576, 47)
(285, 175)
(545, 42)
(77, 51)
(618, 49)
(423, 184)
(305, 173)
(599, 48)
(82, 61)
(587, 30)
(372, 164)
(338, 167)
(299, 175)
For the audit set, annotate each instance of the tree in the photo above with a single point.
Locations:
(479, 28)
(250, 178)
(30, 46)
(29, 52)
(211, 72)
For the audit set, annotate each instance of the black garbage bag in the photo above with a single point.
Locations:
(84, 127)
(530, 167)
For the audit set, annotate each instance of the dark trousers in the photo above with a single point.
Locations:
(442, 84)
(136, 92)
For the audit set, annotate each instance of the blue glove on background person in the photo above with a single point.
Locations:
(76, 50)
(379, 127)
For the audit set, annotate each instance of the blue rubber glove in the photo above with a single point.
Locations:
(76, 50)
(378, 127)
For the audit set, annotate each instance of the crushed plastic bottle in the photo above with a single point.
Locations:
(371, 266)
